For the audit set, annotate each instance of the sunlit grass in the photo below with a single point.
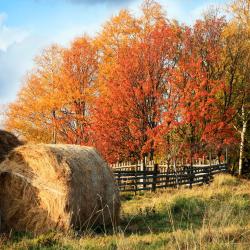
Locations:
(206, 217)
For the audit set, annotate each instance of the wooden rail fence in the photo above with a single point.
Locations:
(134, 178)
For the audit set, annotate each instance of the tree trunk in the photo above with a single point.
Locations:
(242, 146)
(151, 153)
(54, 127)
(242, 142)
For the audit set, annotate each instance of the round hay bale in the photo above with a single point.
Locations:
(45, 187)
(8, 141)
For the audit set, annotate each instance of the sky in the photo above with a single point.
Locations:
(28, 26)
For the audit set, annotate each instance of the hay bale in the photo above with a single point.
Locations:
(8, 141)
(44, 187)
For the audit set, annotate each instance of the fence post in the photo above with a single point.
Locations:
(155, 177)
(227, 165)
(210, 170)
(207, 177)
(135, 180)
(210, 159)
(191, 175)
(144, 171)
(167, 178)
(176, 175)
(119, 179)
(140, 163)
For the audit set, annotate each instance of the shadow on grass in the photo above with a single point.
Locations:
(183, 213)
(18, 240)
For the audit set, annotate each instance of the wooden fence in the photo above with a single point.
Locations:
(133, 178)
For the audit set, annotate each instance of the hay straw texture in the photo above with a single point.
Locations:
(44, 187)
(8, 141)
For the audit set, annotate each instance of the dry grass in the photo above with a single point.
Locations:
(207, 217)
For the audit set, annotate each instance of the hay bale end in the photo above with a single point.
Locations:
(45, 187)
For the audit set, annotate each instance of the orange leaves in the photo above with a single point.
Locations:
(31, 114)
(57, 95)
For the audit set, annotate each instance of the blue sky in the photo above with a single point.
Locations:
(27, 26)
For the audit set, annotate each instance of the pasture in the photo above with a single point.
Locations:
(214, 216)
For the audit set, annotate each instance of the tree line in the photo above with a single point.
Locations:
(144, 86)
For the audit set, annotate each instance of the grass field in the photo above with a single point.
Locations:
(207, 217)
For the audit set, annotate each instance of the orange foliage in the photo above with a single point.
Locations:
(145, 86)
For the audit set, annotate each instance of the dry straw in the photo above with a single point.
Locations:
(44, 187)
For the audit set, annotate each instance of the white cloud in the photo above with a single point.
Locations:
(174, 9)
(10, 35)
(3, 16)
(65, 37)
(99, 1)
(18, 49)
(14, 62)
(198, 12)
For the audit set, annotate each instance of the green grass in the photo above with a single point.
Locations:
(207, 217)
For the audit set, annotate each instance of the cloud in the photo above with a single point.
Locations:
(17, 53)
(9, 35)
(3, 16)
(14, 52)
(99, 1)
(199, 11)
(94, 2)
(14, 62)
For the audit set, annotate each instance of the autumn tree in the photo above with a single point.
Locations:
(32, 115)
(129, 113)
(208, 47)
(196, 83)
(236, 66)
(79, 72)
(53, 105)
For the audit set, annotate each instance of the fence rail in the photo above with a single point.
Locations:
(134, 178)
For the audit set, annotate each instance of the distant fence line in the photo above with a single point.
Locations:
(139, 177)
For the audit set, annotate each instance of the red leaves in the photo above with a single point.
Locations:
(135, 94)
